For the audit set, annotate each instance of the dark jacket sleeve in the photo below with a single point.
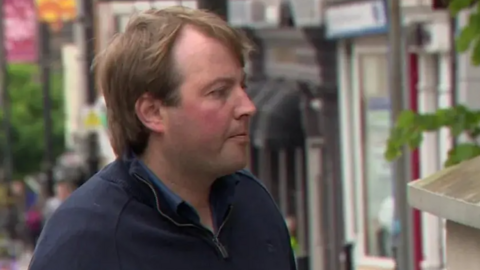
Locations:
(278, 216)
(293, 260)
(76, 239)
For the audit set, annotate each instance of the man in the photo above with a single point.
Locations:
(176, 197)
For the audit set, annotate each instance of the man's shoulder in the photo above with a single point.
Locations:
(98, 194)
(84, 225)
(95, 206)
(254, 200)
(250, 187)
(246, 177)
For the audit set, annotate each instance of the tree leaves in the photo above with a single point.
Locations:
(462, 152)
(460, 120)
(456, 6)
(27, 118)
(469, 36)
(411, 126)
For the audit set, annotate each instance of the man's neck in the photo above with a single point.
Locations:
(191, 187)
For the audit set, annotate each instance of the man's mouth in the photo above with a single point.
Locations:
(242, 134)
(241, 137)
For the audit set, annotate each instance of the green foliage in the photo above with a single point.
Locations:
(410, 128)
(469, 36)
(27, 118)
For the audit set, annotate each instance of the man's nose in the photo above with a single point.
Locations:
(245, 106)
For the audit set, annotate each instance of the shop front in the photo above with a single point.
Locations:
(301, 66)
(295, 146)
(360, 29)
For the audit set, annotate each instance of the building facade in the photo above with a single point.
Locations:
(360, 29)
(320, 81)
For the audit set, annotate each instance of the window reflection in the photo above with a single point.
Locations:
(377, 180)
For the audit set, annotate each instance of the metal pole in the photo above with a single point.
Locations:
(45, 60)
(399, 102)
(5, 104)
(86, 20)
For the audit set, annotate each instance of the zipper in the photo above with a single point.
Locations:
(215, 239)
(223, 251)
(221, 248)
(158, 204)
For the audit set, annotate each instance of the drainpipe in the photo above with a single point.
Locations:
(454, 102)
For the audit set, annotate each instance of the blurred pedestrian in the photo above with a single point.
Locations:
(33, 222)
(176, 197)
(386, 228)
(63, 189)
(292, 229)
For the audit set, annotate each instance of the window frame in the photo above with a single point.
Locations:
(365, 46)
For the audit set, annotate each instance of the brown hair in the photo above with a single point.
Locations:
(140, 61)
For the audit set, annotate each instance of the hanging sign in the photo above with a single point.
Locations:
(91, 119)
(20, 31)
(356, 19)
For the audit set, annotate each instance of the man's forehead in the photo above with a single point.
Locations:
(192, 40)
(193, 44)
(197, 53)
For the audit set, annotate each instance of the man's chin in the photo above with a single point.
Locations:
(232, 166)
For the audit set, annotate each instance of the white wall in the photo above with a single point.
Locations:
(74, 96)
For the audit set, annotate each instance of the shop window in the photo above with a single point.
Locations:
(378, 178)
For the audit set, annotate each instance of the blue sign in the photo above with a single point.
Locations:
(356, 19)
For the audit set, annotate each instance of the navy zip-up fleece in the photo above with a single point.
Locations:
(121, 220)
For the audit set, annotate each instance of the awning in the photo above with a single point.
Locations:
(277, 123)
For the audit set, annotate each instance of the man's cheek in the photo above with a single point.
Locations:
(209, 122)
(210, 128)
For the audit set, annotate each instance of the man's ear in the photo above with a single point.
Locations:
(148, 110)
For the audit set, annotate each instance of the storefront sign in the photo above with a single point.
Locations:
(356, 19)
(55, 12)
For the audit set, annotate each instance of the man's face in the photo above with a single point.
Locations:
(209, 130)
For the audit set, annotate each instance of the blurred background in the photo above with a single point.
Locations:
(319, 79)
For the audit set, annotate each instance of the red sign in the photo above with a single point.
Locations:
(20, 31)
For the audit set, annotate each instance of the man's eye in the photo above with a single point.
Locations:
(218, 93)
